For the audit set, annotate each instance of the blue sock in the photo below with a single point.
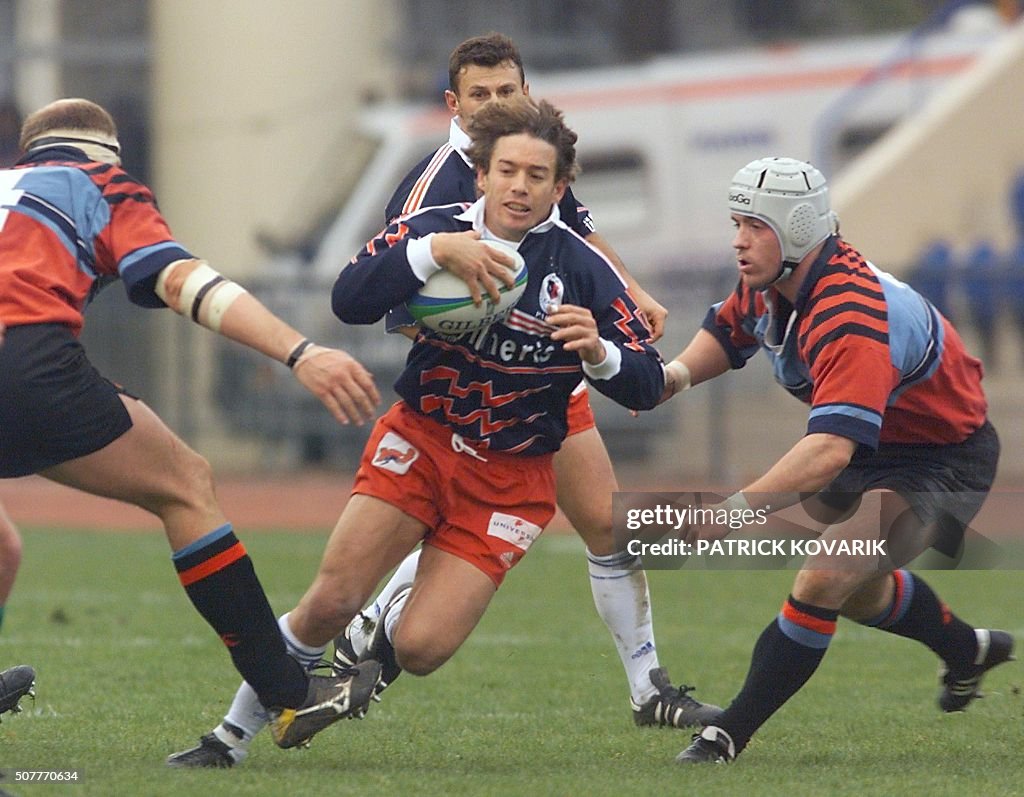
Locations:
(787, 653)
(916, 612)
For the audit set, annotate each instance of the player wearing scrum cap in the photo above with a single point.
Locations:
(897, 430)
(71, 220)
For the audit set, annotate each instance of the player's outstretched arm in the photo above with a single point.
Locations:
(193, 289)
(702, 359)
(811, 464)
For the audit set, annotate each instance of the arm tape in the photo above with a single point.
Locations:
(205, 294)
(680, 376)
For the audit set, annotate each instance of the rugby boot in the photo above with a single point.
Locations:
(672, 706)
(16, 683)
(343, 694)
(711, 746)
(960, 687)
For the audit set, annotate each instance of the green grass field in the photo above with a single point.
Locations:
(534, 704)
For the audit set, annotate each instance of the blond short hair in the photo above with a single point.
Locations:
(67, 114)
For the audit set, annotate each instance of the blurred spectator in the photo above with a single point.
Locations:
(10, 128)
(932, 275)
(1014, 288)
(1017, 204)
(981, 273)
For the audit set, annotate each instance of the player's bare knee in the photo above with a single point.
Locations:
(820, 587)
(418, 653)
(598, 537)
(186, 485)
(870, 599)
(197, 474)
(420, 662)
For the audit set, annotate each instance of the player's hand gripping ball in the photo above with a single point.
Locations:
(444, 303)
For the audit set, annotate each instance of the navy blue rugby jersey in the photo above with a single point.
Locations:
(506, 387)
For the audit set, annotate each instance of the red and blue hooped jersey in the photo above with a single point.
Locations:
(508, 386)
(68, 225)
(874, 359)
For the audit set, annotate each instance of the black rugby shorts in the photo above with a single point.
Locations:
(944, 484)
(54, 405)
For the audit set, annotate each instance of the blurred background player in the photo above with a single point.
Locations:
(482, 70)
(72, 220)
(897, 443)
(463, 462)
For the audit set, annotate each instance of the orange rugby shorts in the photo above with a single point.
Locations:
(482, 506)
(580, 414)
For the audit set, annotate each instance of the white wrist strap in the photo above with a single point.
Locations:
(736, 501)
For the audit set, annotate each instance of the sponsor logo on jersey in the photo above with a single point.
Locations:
(395, 454)
(552, 291)
(520, 533)
(508, 559)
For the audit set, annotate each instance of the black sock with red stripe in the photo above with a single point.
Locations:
(917, 613)
(787, 653)
(221, 582)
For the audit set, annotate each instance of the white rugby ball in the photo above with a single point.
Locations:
(445, 305)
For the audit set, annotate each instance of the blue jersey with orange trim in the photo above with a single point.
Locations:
(506, 387)
(874, 359)
(68, 225)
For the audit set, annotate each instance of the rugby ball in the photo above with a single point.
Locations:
(445, 305)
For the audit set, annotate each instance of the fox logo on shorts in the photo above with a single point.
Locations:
(395, 454)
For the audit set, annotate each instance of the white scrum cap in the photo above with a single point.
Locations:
(789, 195)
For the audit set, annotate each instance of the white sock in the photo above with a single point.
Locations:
(391, 621)
(360, 632)
(307, 655)
(246, 712)
(624, 603)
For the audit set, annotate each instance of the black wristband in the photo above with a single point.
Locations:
(298, 351)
